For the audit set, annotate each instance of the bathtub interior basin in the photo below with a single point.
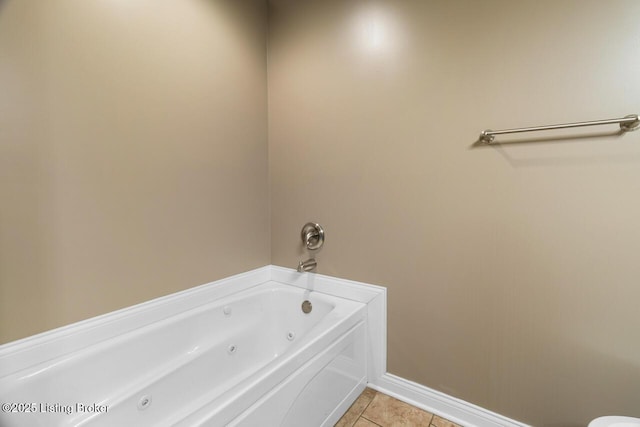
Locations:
(159, 373)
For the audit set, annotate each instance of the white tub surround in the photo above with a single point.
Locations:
(131, 362)
(229, 352)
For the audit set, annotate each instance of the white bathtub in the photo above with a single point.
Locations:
(251, 358)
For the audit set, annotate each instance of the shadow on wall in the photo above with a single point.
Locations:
(565, 398)
(610, 368)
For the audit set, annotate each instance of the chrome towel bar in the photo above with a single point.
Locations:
(627, 123)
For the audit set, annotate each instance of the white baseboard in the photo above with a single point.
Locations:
(460, 412)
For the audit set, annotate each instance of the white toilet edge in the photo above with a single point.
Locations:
(615, 421)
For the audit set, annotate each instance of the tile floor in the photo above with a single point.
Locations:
(374, 409)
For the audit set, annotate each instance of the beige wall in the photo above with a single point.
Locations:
(133, 163)
(133, 153)
(512, 270)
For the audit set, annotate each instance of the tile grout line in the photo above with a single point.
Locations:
(376, 393)
(365, 408)
(431, 420)
(372, 422)
(361, 415)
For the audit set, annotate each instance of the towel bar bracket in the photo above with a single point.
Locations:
(630, 125)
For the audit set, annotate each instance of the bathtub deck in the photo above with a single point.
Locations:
(375, 409)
